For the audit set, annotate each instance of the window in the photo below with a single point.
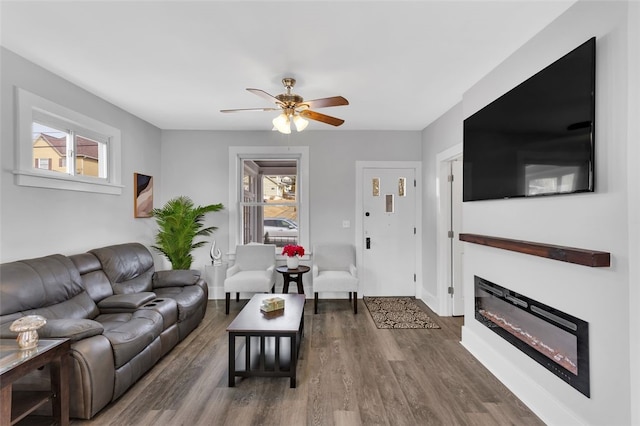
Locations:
(270, 205)
(269, 195)
(60, 148)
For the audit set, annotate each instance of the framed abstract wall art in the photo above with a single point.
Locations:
(142, 195)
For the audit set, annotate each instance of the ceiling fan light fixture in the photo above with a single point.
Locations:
(282, 124)
(300, 123)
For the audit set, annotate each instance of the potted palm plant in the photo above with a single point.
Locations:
(180, 222)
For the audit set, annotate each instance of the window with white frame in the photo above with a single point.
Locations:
(270, 194)
(63, 149)
(269, 204)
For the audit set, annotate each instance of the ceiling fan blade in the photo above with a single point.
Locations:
(250, 109)
(321, 117)
(265, 95)
(326, 102)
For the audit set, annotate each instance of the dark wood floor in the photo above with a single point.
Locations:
(349, 373)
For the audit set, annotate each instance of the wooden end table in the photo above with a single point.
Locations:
(292, 276)
(16, 363)
(271, 340)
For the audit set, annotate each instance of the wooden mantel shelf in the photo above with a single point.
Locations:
(584, 257)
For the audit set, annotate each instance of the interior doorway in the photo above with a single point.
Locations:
(450, 250)
(456, 246)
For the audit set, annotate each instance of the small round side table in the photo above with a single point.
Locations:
(292, 275)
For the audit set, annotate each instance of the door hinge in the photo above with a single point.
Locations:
(414, 230)
(450, 290)
(414, 183)
(450, 234)
(414, 278)
(450, 178)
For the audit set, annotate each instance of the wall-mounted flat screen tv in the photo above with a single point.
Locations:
(538, 138)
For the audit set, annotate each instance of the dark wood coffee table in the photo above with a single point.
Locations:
(271, 340)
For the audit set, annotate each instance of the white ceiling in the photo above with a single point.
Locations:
(175, 64)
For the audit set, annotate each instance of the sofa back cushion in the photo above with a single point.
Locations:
(129, 267)
(49, 286)
(95, 280)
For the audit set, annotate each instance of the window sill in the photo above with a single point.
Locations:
(23, 178)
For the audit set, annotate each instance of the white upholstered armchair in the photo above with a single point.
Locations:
(252, 272)
(334, 270)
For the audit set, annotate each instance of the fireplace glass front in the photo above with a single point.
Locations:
(556, 340)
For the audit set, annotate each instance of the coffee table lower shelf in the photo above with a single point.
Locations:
(264, 356)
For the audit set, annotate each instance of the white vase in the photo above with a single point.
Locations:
(293, 262)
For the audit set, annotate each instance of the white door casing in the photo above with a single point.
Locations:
(457, 246)
(442, 303)
(391, 266)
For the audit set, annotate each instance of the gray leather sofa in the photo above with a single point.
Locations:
(121, 315)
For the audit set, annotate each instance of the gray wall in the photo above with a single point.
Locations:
(599, 221)
(195, 163)
(35, 221)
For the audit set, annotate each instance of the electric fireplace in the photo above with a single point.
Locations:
(554, 339)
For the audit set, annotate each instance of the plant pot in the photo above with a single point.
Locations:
(293, 262)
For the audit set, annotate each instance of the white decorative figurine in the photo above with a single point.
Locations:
(216, 254)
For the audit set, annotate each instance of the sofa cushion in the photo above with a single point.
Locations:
(93, 277)
(188, 299)
(175, 278)
(130, 333)
(34, 283)
(129, 267)
(73, 329)
(78, 307)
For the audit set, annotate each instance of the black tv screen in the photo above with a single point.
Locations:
(538, 138)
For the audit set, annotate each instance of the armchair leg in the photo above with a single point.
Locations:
(237, 297)
(355, 302)
(227, 300)
(315, 302)
(349, 296)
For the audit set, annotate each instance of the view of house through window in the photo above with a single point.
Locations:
(270, 202)
(67, 152)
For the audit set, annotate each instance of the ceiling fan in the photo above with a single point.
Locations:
(295, 109)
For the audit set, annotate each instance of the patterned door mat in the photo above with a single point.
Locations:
(398, 312)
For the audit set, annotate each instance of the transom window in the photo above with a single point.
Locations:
(63, 149)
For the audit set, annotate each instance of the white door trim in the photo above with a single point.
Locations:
(443, 202)
(359, 235)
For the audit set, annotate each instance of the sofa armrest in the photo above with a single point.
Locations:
(125, 302)
(73, 329)
(175, 278)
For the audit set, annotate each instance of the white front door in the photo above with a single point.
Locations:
(389, 232)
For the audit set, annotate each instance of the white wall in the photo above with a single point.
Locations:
(36, 222)
(195, 163)
(596, 221)
(633, 159)
(440, 135)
